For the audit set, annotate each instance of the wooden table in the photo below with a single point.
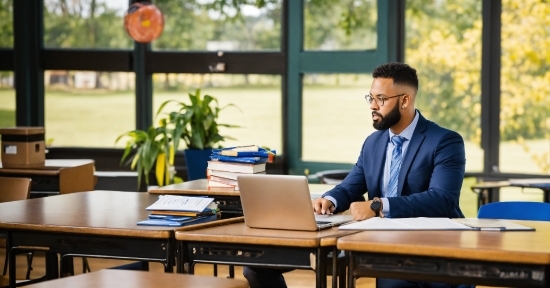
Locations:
(487, 192)
(510, 259)
(57, 176)
(137, 279)
(91, 224)
(540, 183)
(236, 244)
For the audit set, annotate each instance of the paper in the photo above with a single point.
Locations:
(180, 203)
(493, 224)
(377, 223)
(422, 223)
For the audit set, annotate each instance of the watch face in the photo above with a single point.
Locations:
(375, 205)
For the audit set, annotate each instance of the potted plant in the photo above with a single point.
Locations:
(152, 147)
(196, 123)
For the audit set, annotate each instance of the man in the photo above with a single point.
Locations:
(410, 167)
(418, 173)
(431, 158)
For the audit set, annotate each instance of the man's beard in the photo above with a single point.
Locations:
(389, 120)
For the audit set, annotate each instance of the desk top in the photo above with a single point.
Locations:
(96, 212)
(239, 233)
(199, 187)
(51, 167)
(513, 247)
(136, 279)
(541, 183)
(492, 184)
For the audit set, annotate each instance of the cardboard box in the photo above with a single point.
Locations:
(23, 147)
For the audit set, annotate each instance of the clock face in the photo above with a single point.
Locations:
(375, 206)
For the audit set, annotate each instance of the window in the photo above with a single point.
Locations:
(88, 108)
(443, 43)
(6, 23)
(340, 25)
(524, 112)
(258, 98)
(336, 118)
(85, 24)
(7, 99)
(191, 26)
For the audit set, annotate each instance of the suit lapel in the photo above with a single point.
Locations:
(414, 145)
(378, 161)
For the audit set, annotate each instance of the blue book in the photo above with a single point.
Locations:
(170, 217)
(262, 154)
(249, 160)
(170, 223)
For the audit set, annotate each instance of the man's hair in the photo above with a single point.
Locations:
(401, 73)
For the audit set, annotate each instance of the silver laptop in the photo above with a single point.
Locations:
(281, 202)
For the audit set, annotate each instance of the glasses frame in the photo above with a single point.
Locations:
(370, 98)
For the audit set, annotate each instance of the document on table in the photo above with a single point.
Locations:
(422, 223)
(180, 203)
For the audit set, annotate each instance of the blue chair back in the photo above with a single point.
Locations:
(515, 210)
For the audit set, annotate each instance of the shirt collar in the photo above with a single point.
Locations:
(408, 132)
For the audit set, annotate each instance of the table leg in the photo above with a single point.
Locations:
(52, 270)
(334, 267)
(321, 268)
(351, 277)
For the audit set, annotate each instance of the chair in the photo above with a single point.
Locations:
(13, 189)
(333, 177)
(516, 210)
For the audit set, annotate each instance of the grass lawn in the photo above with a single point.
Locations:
(333, 117)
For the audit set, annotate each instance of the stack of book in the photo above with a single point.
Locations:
(228, 163)
(172, 210)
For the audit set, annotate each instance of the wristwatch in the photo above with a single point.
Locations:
(376, 206)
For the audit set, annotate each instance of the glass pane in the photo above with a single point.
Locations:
(202, 27)
(258, 98)
(340, 25)
(88, 108)
(335, 114)
(85, 24)
(7, 99)
(443, 43)
(6, 24)
(525, 100)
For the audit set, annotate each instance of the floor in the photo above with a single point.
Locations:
(296, 278)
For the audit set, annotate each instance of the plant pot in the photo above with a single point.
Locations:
(197, 162)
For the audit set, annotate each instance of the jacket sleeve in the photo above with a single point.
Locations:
(441, 199)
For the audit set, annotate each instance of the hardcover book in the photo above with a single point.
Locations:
(236, 167)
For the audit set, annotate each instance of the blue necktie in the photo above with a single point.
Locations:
(395, 165)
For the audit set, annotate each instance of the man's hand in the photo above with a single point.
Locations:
(323, 206)
(361, 210)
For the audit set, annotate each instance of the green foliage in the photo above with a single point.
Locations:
(356, 21)
(148, 145)
(83, 24)
(6, 23)
(196, 123)
(444, 45)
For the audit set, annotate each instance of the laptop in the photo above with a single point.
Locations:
(281, 202)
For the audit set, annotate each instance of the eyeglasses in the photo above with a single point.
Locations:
(380, 100)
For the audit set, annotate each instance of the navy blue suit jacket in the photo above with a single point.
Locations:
(430, 179)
